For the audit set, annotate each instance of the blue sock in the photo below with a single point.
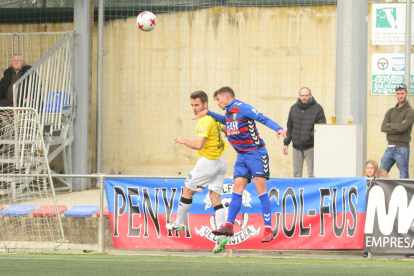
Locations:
(234, 208)
(266, 209)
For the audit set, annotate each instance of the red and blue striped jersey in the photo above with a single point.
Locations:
(240, 123)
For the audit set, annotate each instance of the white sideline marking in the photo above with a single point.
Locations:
(175, 261)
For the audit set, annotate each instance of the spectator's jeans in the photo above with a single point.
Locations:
(399, 155)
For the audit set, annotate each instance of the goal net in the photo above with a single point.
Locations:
(28, 205)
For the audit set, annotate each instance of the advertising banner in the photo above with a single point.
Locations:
(388, 24)
(387, 71)
(307, 213)
(389, 222)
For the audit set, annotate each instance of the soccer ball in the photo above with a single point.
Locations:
(146, 21)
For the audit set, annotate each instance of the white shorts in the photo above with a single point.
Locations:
(207, 173)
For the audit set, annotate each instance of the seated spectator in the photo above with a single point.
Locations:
(372, 170)
(17, 69)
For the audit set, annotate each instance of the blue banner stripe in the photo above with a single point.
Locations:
(285, 195)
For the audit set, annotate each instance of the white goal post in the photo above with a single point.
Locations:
(28, 205)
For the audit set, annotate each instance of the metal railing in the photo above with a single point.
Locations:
(31, 45)
(47, 86)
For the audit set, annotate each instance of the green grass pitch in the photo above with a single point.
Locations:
(100, 264)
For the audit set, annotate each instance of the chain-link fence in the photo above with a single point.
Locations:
(265, 50)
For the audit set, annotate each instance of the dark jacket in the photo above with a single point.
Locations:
(302, 118)
(399, 133)
(6, 80)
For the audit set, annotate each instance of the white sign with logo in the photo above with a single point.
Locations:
(387, 71)
(388, 24)
(389, 223)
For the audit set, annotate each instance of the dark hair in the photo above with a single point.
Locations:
(200, 95)
(224, 89)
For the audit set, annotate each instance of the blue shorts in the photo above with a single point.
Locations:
(252, 163)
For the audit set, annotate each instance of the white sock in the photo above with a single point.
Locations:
(220, 216)
(183, 208)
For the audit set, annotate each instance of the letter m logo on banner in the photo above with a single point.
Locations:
(389, 218)
(398, 204)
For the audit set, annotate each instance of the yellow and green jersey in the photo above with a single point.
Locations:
(214, 147)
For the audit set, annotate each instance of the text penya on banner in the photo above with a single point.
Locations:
(389, 222)
(311, 213)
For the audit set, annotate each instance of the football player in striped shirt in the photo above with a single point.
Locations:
(252, 158)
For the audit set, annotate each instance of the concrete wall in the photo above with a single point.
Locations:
(265, 55)
(85, 231)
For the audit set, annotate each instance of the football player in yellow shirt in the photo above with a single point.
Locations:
(209, 171)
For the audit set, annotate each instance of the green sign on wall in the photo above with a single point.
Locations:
(385, 84)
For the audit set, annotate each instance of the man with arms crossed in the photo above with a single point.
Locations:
(209, 171)
(398, 124)
(252, 158)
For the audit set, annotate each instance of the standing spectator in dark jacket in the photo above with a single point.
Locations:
(17, 69)
(302, 117)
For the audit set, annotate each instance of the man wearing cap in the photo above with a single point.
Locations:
(398, 124)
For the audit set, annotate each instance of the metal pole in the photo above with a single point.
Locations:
(351, 65)
(101, 222)
(408, 47)
(99, 94)
(81, 73)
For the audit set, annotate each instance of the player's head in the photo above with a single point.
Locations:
(17, 62)
(224, 96)
(305, 94)
(199, 101)
(401, 93)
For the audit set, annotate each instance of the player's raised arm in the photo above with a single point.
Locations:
(200, 114)
(220, 118)
(259, 117)
(281, 132)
